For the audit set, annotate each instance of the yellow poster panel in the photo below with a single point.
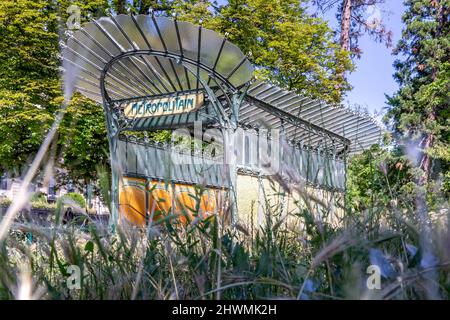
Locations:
(141, 201)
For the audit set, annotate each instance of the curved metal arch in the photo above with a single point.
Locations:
(221, 116)
(179, 59)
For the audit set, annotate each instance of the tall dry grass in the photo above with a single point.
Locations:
(312, 259)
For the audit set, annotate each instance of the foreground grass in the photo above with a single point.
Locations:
(312, 259)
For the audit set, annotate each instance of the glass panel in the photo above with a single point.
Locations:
(157, 163)
(131, 158)
(142, 167)
(274, 95)
(125, 77)
(192, 174)
(76, 63)
(143, 73)
(129, 27)
(102, 40)
(305, 163)
(88, 86)
(320, 169)
(242, 75)
(210, 174)
(144, 65)
(260, 90)
(211, 43)
(121, 154)
(87, 42)
(87, 49)
(121, 81)
(160, 71)
(189, 39)
(315, 167)
(113, 86)
(73, 65)
(130, 76)
(146, 159)
(136, 78)
(253, 143)
(90, 95)
(148, 28)
(230, 57)
(119, 39)
(179, 72)
(215, 175)
(184, 169)
(169, 35)
(203, 76)
(187, 79)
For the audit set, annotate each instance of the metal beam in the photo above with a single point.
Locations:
(296, 120)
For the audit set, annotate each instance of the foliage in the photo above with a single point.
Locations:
(419, 112)
(43, 205)
(29, 78)
(76, 198)
(379, 176)
(82, 142)
(30, 89)
(39, 201)
(5, 202)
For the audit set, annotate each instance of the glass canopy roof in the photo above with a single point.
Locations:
(145, 56)
(313, 122)
(180, 53)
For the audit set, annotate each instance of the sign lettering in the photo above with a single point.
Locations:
(164, 106)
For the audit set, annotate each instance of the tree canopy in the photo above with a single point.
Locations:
(30, 90)
(418, 113)
(287, 44)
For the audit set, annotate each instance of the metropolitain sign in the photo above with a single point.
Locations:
(164, 106)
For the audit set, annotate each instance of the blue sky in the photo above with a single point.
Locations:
(372, 78)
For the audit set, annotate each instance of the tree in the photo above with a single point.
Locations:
(353, 24)
(82, 143)
(419, 112)
(378, 176)
(30, 90)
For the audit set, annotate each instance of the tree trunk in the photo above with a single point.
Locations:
(425, 163)
(345, 31)
(345, 25)
(430, 279)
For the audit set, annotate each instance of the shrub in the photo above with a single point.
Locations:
(5, 202)
(77, 198)
(39, 201)
(43, 205)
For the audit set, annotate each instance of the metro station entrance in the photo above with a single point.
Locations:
(154, 73)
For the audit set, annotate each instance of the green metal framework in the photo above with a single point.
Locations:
(116, 124)
(117, 60)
